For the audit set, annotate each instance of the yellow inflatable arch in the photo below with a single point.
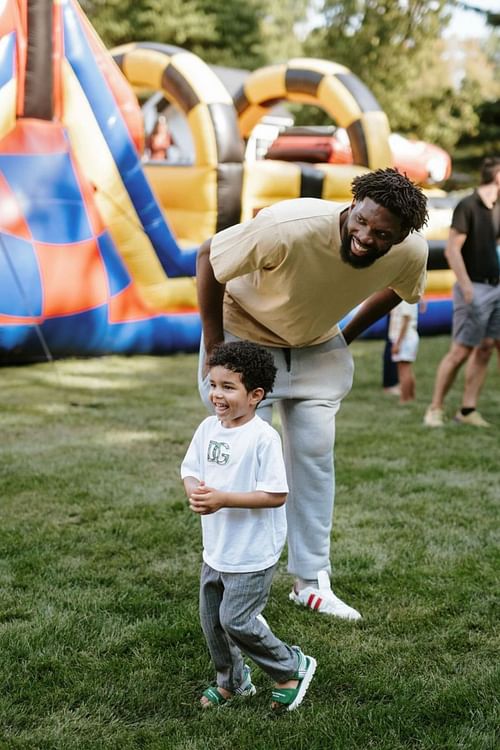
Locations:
(205, 197)
(350, 104)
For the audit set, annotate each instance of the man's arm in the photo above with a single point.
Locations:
(453, 254)
(210, 297)
(375, 307)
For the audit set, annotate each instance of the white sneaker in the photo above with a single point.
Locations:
(323, 600)
(434, 417)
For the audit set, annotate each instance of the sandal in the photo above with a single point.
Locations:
(291, 698)
(215, 698)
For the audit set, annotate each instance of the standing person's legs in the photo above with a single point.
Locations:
(475, 373)
(406, 381)
(309, 391)
(477, 365)
(308, 442)
(464, 338)
(390, 378)
(447, 372)
(310, 384)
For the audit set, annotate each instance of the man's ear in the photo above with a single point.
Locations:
(402, 235)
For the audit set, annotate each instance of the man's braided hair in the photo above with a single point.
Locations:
(395, 192)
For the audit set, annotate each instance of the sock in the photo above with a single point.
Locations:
(302, 583)
(466, 410)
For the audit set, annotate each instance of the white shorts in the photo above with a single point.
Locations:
(408, 349)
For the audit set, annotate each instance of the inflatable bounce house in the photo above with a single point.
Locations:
(97, 243)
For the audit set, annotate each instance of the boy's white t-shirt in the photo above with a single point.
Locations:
(239, 459)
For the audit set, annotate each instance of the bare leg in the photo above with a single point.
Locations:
(475, 373)
(406, 382)
(447, 372)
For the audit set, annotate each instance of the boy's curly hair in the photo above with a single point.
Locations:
(394, 191)
(252, 362)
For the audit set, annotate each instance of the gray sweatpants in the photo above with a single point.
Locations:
(310, 384)
(229, 605)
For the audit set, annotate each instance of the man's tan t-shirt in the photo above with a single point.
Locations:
(286, 284)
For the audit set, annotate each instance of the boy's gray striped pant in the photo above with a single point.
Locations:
(229, 606)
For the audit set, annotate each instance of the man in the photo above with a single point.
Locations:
(284, 280)
(471, 254)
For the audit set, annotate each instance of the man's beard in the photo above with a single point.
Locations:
(357, 261)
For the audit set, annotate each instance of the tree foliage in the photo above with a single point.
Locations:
(394, 46)
(176, 22)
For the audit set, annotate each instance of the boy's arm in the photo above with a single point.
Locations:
(404, 327)
(190, 485)
(204, 500)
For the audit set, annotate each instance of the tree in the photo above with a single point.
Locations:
(236, 41)
(280, 29)
(395, 48)
(223, 32)
(176, 22)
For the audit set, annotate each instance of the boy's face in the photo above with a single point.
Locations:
(233, 404)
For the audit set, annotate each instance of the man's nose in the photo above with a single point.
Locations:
(365, 236)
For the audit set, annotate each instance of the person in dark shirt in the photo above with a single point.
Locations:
(472, 255)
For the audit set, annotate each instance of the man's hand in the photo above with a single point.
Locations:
(467, 291)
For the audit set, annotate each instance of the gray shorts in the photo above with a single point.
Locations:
(478, 320)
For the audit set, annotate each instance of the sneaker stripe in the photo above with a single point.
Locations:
(314, 601)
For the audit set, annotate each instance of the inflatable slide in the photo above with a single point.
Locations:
(88, 262)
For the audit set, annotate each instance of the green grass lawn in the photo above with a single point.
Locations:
(100, 645)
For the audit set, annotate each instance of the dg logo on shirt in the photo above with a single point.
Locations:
(218, 453)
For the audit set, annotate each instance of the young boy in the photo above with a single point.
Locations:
(234, 477)
(404, 337)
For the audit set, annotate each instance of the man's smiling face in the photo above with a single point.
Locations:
(368, 233)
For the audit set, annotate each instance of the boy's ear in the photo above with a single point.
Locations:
(256, 395)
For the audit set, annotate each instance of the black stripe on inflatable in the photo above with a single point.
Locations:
(270, 102)
(302, 80)
(311, 182)
(358, 143)
(363, 96)
(229, 187)
(174, 83)
(227, 135)
(38, 99)
(119, 58)
(240, 101)
(436, 260)
(166, 49)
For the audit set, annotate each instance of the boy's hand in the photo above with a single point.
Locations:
(205, 500)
